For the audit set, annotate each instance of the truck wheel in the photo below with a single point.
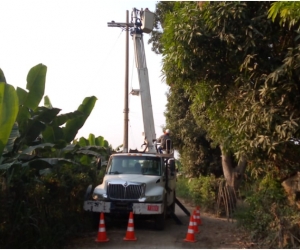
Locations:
(159, 220)
(88, 193)
(171, 208)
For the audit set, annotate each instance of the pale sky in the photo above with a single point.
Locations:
(84, 57)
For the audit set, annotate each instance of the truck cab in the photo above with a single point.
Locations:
(138, 182)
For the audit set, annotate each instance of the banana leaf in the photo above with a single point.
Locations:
(52, 134)
(9, 107)
(2, 77)
(47, 102)
(70, 147)
(88, 152)
(99, 141)
(36, 79)
(29, 150)
(42, 163)
(91, 139)
(73, 125)
(22, 118)
(6, 166)
(105, 144)
(46, 115)
(11, 140)
(44, 166)
(98, 149)
(33, 131)
(83, 142)
(63, 118)
(31, 127)
(22, 95)
(95, 148)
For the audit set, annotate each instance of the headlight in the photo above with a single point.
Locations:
(143, 189)
(99, 197)
(154, 198)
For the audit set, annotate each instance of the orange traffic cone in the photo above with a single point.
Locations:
(101, 237)
(199, 221)
(130, 229)
(196, 230)
(190, 236)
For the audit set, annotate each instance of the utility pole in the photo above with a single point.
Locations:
(125, 26)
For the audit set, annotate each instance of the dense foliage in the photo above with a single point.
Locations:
(233, 72)
(239, 71)
(43, 177)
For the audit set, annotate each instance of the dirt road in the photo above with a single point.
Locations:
(214, 233)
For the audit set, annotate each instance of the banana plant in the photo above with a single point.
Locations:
(30, 131)
(36, 154)
(94, 145)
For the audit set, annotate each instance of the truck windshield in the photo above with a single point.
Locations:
(134, 165)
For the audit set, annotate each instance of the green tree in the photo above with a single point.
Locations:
(240, 71)
(196, 153)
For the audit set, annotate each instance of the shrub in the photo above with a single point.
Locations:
(201, 191)
(267, 215)
(44, 211)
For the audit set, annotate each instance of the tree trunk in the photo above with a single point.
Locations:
(233, 177)
(233, 174)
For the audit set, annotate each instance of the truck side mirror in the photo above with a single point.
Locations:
(171, 163)
(168, 146)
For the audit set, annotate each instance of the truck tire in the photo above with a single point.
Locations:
(88, 193)
(171, 208)
(159, 220)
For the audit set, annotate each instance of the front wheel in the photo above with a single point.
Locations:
(88, 193)
(159, 220)
(171, 208)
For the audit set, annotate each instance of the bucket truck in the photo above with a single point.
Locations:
(139, 181)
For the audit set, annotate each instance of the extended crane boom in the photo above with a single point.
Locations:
(140, 59)
(143, 182)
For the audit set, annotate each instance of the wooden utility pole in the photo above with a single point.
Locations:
(125, 26)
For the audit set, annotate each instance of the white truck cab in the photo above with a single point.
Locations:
(141, 183)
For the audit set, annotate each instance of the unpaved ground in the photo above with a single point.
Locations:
(215, 233)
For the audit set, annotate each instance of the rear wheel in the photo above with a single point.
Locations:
(159, 220)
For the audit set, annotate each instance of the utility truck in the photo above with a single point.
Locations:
(139, 181)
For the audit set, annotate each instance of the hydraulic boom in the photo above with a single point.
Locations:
(141, 65)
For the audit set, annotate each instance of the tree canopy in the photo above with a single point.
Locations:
(237, 64)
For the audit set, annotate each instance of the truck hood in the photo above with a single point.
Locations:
(153, 183)
(122, 178)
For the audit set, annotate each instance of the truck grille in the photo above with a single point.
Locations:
(121, 192)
